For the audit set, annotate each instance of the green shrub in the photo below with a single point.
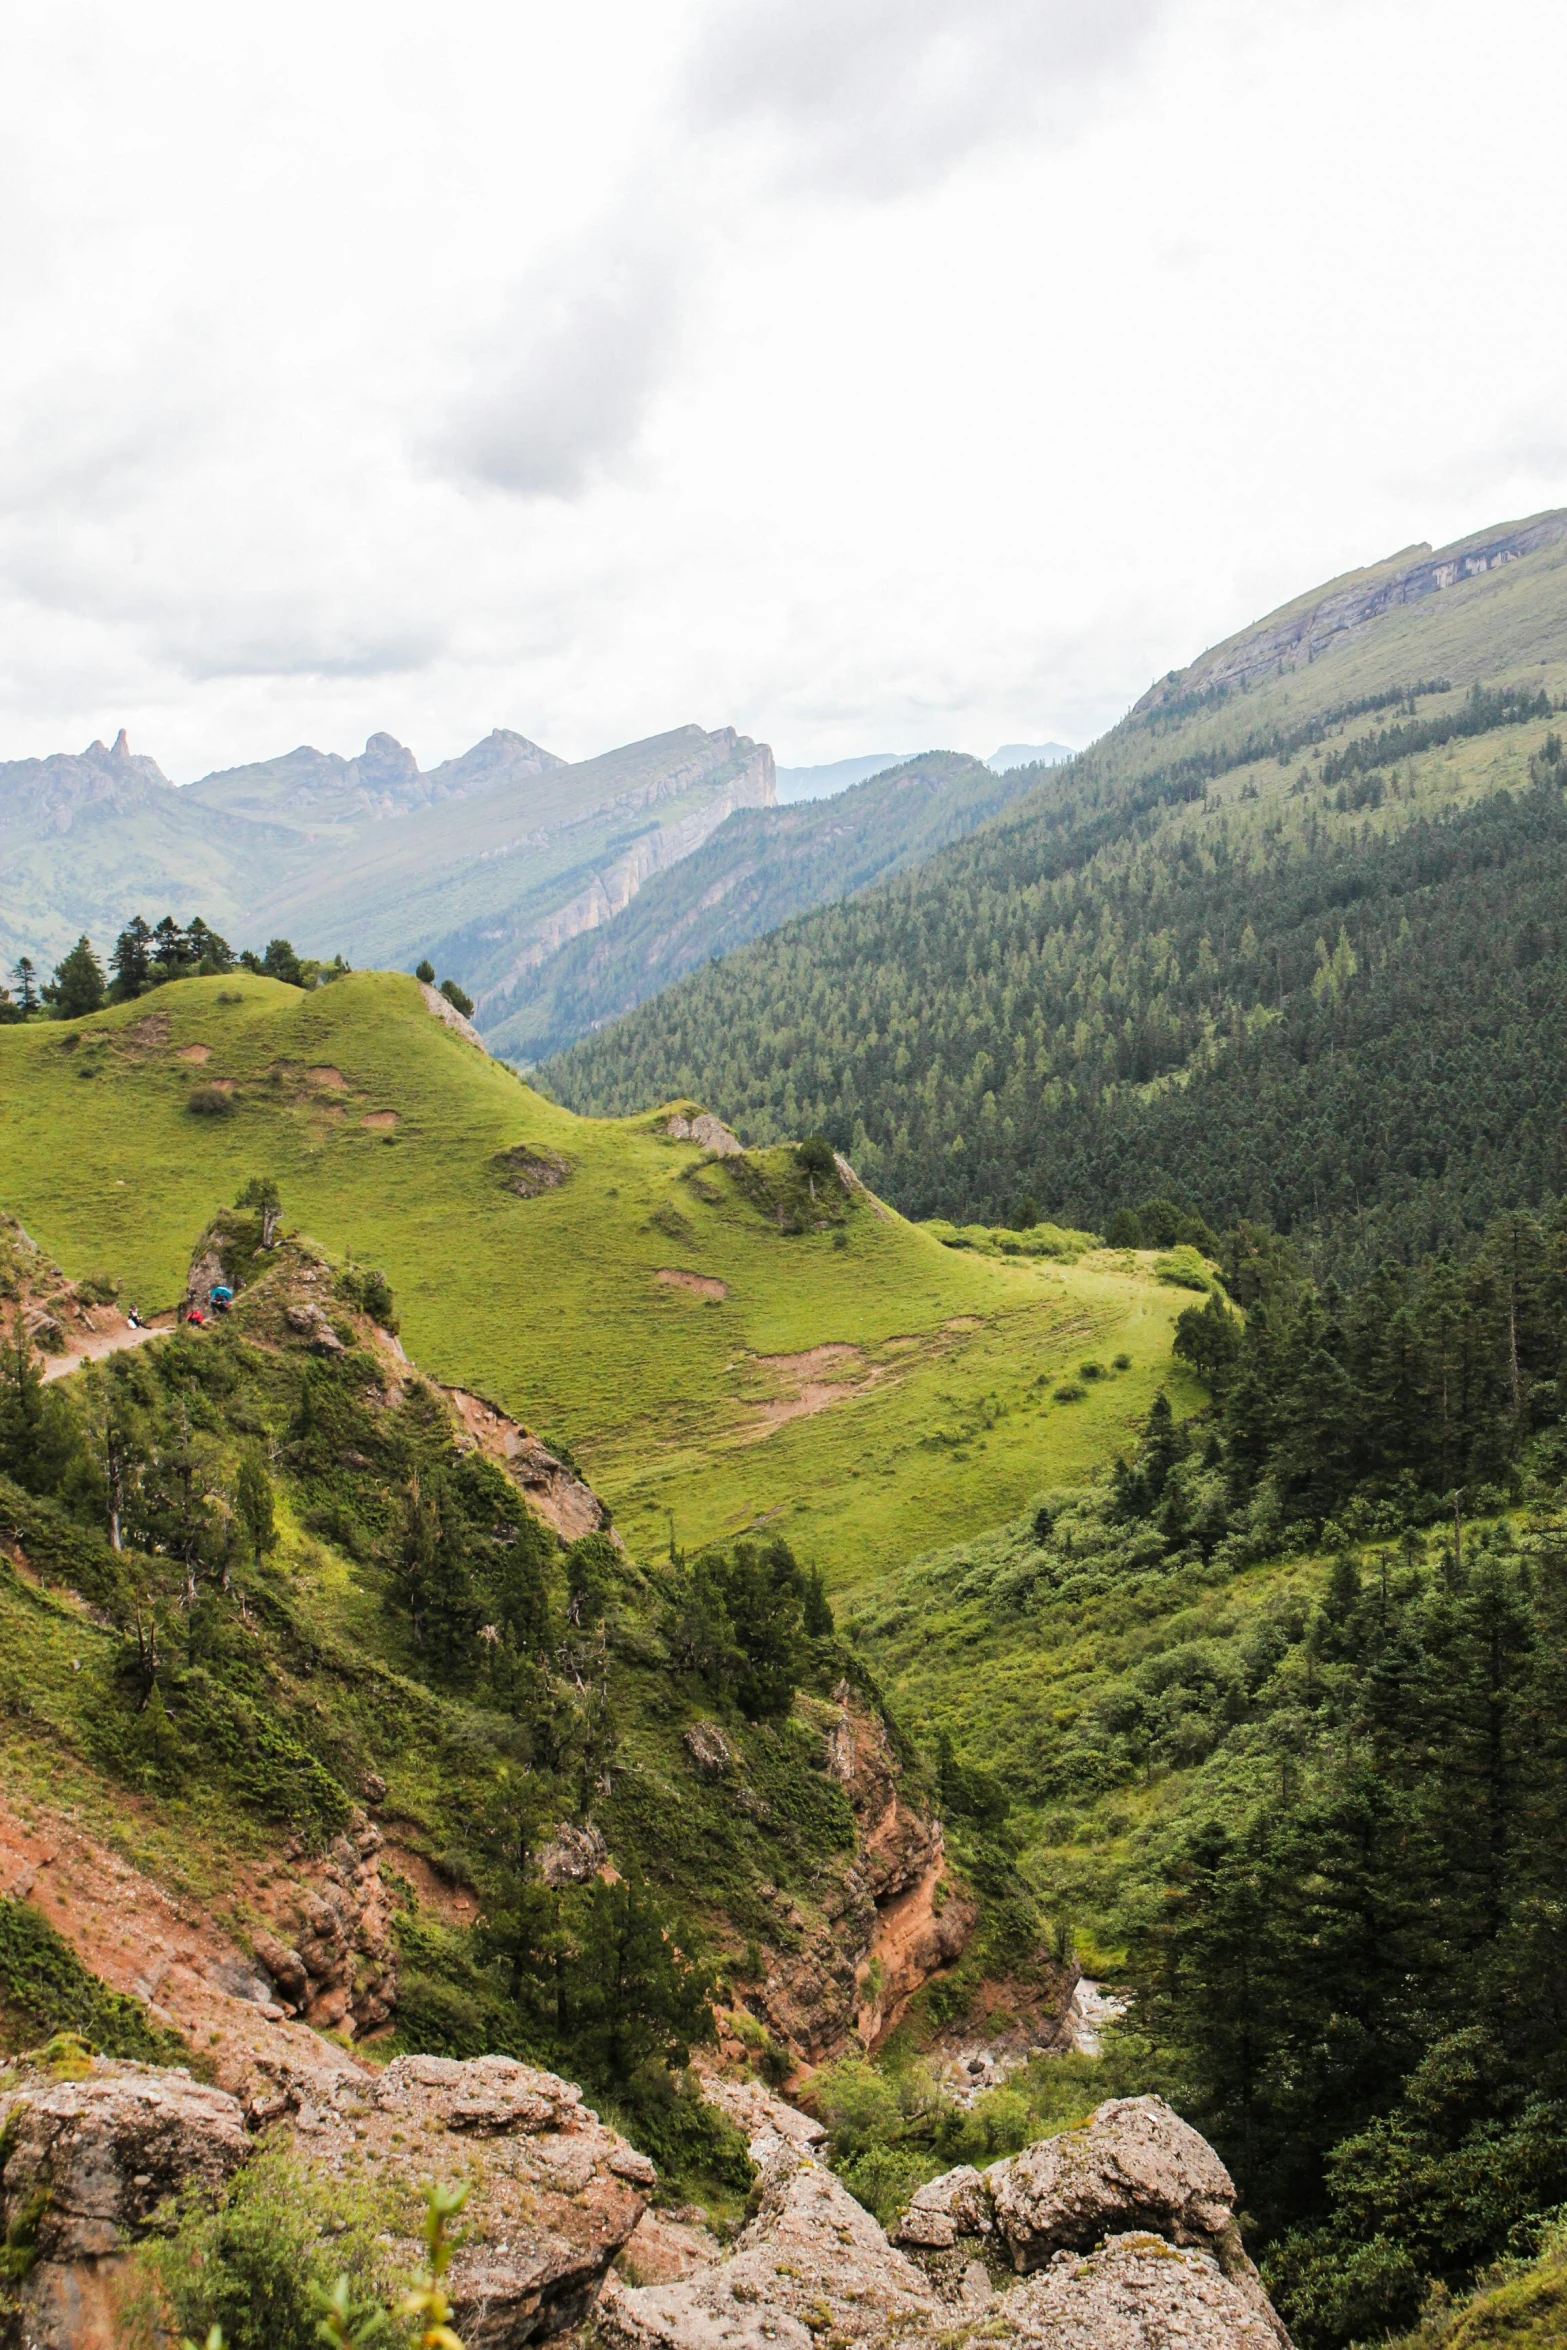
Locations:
(1070, 1391)
(209, 1101)
(46, 1989)
(258, 2263)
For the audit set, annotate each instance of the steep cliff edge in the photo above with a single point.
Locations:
(1300, 632)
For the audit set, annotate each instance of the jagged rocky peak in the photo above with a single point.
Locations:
(59, 786)
(1300, 632)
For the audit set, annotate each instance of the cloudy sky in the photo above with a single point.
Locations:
(866, 374)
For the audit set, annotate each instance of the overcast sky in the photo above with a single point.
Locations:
(864, 374)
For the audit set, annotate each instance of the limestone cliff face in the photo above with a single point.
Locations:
(741, 774)
(1301, 632)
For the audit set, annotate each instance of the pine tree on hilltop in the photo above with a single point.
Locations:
(78, 985)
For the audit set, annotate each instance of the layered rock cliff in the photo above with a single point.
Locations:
(1300, 632)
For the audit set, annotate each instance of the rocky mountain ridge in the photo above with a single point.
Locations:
(1301, 631)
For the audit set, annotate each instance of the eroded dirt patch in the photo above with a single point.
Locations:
(325, 1079)
(380, 1121)
(807, 1385)
(198, 1053)
(528, 1171)
(146, 1035)
(700, 1284)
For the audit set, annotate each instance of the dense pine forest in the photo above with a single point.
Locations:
(1328, 1005)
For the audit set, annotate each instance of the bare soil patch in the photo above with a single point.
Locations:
(453, 1904)
(380, 1121)
(146, 1035)
(194, 1052)
(700, 1284)
(528, 1172)
(807, 1386)
(325, 1079)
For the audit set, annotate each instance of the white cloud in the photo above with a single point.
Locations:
(878, 97)
(847, 372)
(561, 388)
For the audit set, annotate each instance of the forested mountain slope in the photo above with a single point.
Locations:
(1284, 943)
(759, 868)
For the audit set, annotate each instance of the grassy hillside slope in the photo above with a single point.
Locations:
(394, 1141)
(760, 867)
(1117, 988)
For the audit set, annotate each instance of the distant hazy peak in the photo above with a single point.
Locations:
(501, 755)
(1300, 632)
(1013, 755)
(54, 787)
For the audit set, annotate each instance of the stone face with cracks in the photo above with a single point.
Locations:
(1137, 2292)
(1134, 2168)
(1133, 2164)
(812, 2261)
(92, 2159)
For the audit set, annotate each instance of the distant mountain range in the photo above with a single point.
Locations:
(1013, 755)
(822, 783)
(513, 870)
(1287, 943)
(485, 863)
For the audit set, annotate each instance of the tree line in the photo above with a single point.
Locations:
(144, 956)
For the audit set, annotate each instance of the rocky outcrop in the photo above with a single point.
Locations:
(449, 1015)
(329, 1951)
(1137, 2292)
(558, 1495)
(84, 2164)
(556, 2194)
(892, 1919)
(1133, 2168)
(811, 2262)
(87, 2161)
(1125, 2230)
(708, 1132)
(1301, 632)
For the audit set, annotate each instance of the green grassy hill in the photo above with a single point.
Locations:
(705, 1397)
(1126, 984)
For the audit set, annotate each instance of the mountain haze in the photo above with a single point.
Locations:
(483, 862)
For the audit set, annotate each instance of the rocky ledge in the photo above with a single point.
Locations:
(1123, 2230)
(85, 2163)
(1118, 2235)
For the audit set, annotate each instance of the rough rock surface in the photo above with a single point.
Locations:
(1137, 2292)
(86, 2163)
(711, 1133)
(769, 2124)
(555, 2194)
(890, 1919)
(1302, 631)
(329, 1949)
(1134, 2165)
(811, 2262)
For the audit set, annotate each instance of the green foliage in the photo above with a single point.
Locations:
(79, 986)
(264, 2263)
(891, 2126)
(457, 997)
(45, 1989)
(760, 868)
